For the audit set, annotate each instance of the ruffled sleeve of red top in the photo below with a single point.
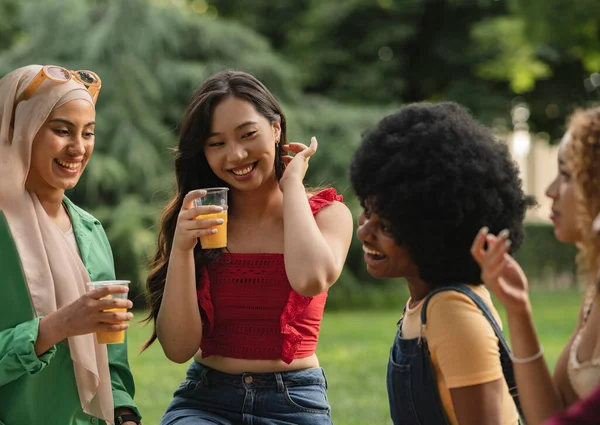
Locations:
(323, 198)
(297, 303)
(206, 306)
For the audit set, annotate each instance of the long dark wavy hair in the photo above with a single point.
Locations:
(193, 172)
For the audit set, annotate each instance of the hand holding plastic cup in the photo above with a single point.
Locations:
(117, 337)
(214, 196)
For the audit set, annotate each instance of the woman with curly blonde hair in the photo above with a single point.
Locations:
(584, 160)
(575, 194)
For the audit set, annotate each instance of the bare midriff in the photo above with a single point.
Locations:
(239, 366)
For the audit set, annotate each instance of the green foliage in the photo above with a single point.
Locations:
(381, 52)
(515, 61)
(547, 262)
(547, 56)
(479, 53)
(338, 129)
(343, 57)
(278, 21)
(131, 231)
(9, 27)
(571, 26)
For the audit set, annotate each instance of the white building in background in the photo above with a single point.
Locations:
(538, 162)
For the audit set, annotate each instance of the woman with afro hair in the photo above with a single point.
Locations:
(429, 177)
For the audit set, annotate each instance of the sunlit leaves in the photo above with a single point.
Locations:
(512, 56)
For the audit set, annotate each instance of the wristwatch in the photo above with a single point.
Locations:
(120, 419)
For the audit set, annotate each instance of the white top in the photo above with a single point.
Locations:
(70, 237)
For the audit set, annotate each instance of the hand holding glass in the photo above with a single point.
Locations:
(117, 337)
(214, 196)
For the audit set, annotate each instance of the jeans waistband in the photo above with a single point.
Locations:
(205, 374)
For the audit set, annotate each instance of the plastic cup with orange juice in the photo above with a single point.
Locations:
(117, 337)
(214, 196)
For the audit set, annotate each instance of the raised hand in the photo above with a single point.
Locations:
(500, 272)
(297, 165)
(188, 228)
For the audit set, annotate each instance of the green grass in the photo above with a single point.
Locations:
(353, 350)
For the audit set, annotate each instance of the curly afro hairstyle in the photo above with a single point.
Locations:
(438, 176)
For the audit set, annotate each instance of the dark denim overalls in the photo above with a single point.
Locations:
(412, 386)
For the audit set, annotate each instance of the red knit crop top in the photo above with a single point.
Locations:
(250, 311)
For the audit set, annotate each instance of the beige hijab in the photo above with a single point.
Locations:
(55, 274)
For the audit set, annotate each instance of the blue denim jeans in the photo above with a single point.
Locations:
(208, 396)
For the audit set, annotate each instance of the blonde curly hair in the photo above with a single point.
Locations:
(582, 155)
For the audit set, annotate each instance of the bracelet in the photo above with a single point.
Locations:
(527, 359)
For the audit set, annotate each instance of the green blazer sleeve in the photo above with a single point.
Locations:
(18, 325)
(17, 353)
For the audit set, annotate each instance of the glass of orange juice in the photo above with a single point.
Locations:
(214, 196)
(111, 337)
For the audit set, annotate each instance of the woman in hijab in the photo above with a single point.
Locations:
(51, 368)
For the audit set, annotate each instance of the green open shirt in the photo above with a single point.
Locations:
(42, 390)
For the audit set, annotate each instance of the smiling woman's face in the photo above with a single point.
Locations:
(383, 256)
(62, 148)
(241, 146)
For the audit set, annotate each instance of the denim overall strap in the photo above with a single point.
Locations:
(506, 363)
(411, 384)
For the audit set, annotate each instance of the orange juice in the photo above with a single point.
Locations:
(112, 337)
(216, 240)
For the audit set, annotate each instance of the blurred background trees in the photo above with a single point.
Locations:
(336, 66)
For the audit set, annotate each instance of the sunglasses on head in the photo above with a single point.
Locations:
(60, 75)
